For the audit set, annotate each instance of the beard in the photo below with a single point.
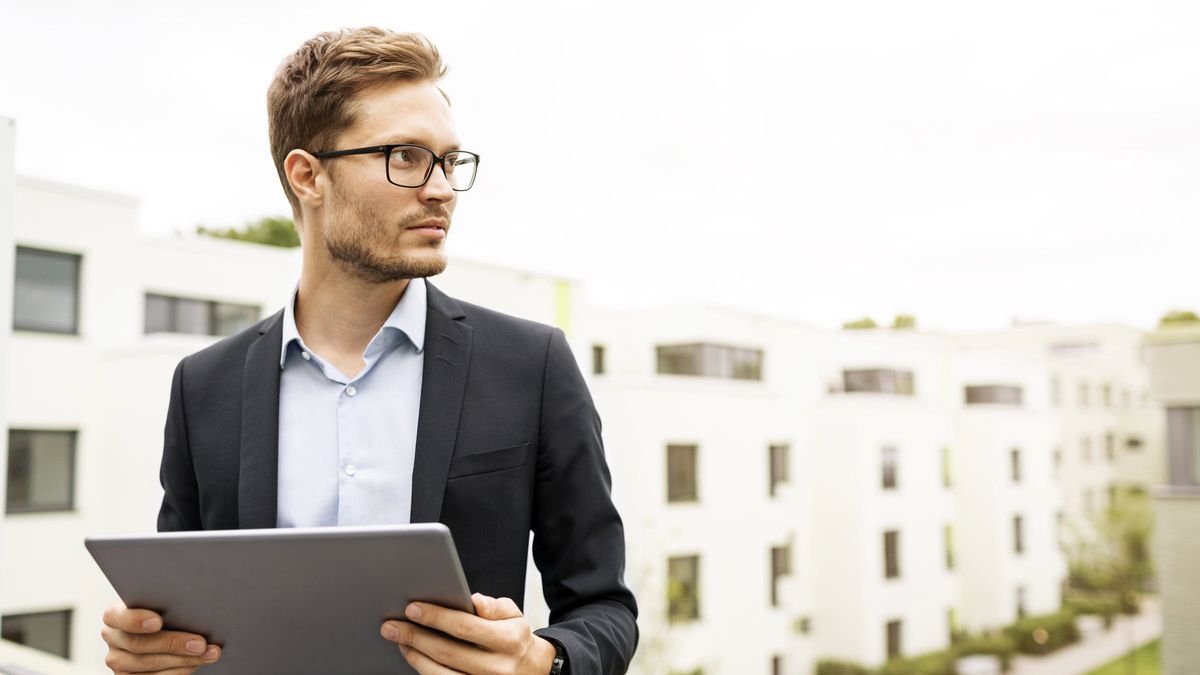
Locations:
(355, 238)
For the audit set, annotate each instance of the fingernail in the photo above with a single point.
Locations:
(150, 624)
(194, 646)
(390, 632)
(211, 653)
(413, 612)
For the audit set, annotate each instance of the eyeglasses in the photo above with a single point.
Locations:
(410, 166)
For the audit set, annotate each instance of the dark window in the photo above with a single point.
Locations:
(1018, 534)
(947, 478)
(47, 631)
(1021, 610)
(1133, 444)
(948, 538)
(776, 665)
(1002, 394)
(1110, 446)
(893, 639)
(888, 455)
(597, 359)
(46, 291)
(879, 381)
(681, 473)
(683, 588)
(1112, 496)
(708, 360)
(41, 471)
(891, 554)
(169, 314)
(1014, 457)
(778, 458)
(781, 565)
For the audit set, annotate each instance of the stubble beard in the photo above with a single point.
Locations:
(350, 240)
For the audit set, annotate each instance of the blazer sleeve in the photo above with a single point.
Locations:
(579, 541)
(180, 506)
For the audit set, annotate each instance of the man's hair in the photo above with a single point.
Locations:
(309, 103)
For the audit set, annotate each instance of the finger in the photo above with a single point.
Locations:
(162, 642)
(448, 651)
(504, 608)
(132, 620)
(462, 625)
(119, 660)
(425, 665)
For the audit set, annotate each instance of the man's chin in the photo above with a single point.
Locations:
(382, 271)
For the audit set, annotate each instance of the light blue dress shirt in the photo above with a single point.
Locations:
(346, 446)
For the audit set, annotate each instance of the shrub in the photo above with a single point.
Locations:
(996, 644)
(1105, 605)
(1059, 631)
(840, 668)
(934, 663)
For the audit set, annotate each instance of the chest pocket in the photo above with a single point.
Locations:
(488, 461)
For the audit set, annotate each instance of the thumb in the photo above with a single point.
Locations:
(495, 609)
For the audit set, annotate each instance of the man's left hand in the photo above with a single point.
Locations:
(496, 639)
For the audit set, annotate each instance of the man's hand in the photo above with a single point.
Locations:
(498, 640)
(138, 644)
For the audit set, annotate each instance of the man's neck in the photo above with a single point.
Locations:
(337, 315)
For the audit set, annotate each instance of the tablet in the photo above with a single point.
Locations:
(302, 600)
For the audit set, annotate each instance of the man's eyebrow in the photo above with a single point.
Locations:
(412, 140)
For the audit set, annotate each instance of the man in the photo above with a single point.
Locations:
(374, 398)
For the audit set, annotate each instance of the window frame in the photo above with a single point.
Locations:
(71, 505)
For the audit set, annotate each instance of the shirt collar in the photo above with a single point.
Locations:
(407, 317)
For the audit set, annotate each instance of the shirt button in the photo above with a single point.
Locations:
(351, 469)
(306, 356)
(350, 390)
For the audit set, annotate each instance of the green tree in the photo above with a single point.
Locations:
(864, 323)
(1178, 317)
(272, 231)
(904, 322)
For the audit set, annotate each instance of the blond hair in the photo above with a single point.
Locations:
(310, 101)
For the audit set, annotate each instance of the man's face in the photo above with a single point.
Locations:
(375, 230)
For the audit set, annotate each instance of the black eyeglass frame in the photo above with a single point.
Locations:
(438, 160)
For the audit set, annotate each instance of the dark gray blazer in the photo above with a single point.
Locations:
(508, 442)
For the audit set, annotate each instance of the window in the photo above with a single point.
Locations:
(1106, 395)
(1110, 446)
(777, 665)
(1085, 448)
(168, 314)
(1000, 394)
(948, 540)
(1021, 610)
(781, 565)
(1018, 535)
(778, 459)
(1112, 495)
(1084, 395)
(683, 594)
(47, 631)
(947, 478)
(597, 359)
(708, 360)
(893, 639)
(1055, 392)
(681, 473)
(41, 471)
(891, 554)
(952, 625)
(1133, 444)
(46, 291)
(1014, 460)
(888, 454)
(879, 381)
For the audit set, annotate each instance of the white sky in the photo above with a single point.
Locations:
(966, 162)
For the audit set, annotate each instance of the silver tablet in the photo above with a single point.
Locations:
(304, 600)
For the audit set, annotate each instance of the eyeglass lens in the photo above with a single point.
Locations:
(410, 167)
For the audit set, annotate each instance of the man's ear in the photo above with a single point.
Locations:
(302, 169)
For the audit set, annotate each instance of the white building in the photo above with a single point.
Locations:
(790, 494)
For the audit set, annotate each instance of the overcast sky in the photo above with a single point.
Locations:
(966, 162)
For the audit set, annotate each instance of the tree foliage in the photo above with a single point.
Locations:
(272, 231)
(1178, 317)
(904, 322)
(864, 323)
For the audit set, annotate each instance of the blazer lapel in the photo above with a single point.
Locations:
(258, 482)
(444, 380)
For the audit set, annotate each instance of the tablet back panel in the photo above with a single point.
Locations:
(290, 600)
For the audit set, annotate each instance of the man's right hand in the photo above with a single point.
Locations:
(138, 644)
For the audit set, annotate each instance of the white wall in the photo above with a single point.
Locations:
(7, 252)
